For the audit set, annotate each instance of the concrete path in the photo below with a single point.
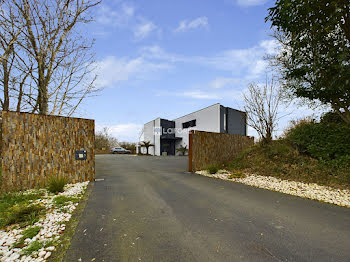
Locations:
(149, 209)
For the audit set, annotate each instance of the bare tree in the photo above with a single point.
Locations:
(262, 105)
(53, 59)
(103, 139)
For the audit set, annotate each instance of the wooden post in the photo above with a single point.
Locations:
(190, 151)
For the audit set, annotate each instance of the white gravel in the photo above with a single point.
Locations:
(52, 226)
(340, 197)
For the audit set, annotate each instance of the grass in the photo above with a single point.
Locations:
(31, 232)
(65, 239)
(237, 174)
(27, 233)
(279, 159)
(33, 246)
(56, 184)
(19, 208)
(62, 201)
(213, 169)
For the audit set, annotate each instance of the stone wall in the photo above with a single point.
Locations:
(214, 148)
(37, 147)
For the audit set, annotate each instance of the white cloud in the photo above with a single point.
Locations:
(186, 25)
(199, 95)
(113, 70)
(245, 64)
(142, 30)
(251, 2)
(119, 17)
(270, 46)
(124, 16)
(128, 132)
(222, 82)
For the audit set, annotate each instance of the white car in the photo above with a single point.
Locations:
(120, 150)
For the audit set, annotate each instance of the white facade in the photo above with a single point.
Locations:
(207, 119)
(215, 118)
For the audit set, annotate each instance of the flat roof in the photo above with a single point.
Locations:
(196, 112)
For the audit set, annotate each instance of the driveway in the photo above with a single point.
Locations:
(150, 209)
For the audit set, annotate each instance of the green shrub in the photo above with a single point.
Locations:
(183, 150)
(56, 184)
(331, 117)
(325, 141)
(213, 169)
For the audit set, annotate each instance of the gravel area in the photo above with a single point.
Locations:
(340, 197)
(51, 227)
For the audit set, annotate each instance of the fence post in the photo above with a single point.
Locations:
(190, 151)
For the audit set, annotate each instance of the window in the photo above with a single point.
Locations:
(225, 124)
(189, 124)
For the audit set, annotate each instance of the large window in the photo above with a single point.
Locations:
(189, 124)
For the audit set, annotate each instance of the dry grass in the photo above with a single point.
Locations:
(281, 160)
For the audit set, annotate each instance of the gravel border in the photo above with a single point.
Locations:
(340, 197)
(52, 226)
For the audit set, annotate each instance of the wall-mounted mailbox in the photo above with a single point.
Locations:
(80, 155)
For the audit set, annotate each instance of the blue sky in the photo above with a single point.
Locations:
(168, 58)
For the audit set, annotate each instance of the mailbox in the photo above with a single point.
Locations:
(80, 155)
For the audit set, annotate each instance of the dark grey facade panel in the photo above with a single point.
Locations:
(233, 120)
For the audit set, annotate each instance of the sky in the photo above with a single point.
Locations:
(165, 58)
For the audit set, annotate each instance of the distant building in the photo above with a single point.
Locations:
(168, 135)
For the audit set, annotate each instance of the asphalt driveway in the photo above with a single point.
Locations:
(150, 209)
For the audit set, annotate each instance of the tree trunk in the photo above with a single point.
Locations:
(43, 97)
(6, 103)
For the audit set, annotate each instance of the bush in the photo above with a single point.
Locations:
(213, 169)
(326, 141)
(331, 117)
(56, 184)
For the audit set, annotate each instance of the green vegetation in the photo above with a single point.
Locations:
(18, 208)
(31, 232)
(22, 214)
(213, 169)
(310, 151)
(314, 60)
(28, 233)
(33, 246)
(56, 184)
(50, 243)
(65, 239)
(147, 145)
(236, 174)
(327, 140)
(280, 159)
(61, 201)
(183, 150)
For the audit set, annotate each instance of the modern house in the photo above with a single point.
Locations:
(168, 135)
